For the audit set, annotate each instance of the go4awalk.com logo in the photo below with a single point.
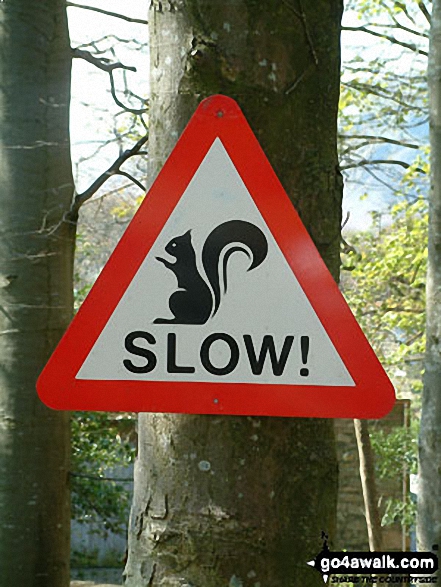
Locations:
(383, 567)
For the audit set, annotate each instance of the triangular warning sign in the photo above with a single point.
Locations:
(216, 300)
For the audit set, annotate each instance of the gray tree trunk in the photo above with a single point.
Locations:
(242, 501)
(36, 250)
(429, 495)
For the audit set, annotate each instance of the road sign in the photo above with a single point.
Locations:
(216, 301)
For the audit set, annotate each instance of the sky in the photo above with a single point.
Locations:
(353, 45)
(92, 105)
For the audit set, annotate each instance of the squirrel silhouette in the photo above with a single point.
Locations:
(198, 299)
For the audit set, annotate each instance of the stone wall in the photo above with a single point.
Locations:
(351, 522)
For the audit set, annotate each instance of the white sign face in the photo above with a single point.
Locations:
(215, 300)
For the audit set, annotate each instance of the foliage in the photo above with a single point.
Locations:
(384, 283)
(382, 112)
(101, 443)
(399, 510)
(383, 106)
(385, 287)
(384, 150)
(91, 558)
(84, 559)
(84, 250)
(396, 450)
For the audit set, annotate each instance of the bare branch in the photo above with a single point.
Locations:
(346, 247)
(363, 29)
(107, 12)
(424, 10)
(380, 92)
(376, 69)
(398, 25)
(109, 193)
(403, 309)
(138, 44)
(386, 184)
(403, 9)
(137, 111)
(135, 181)
(366, 162)
(104, 144)
(102, 62)
(105, 65)
(114, 169)
(376, 139)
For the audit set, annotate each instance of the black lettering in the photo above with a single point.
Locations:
(139, 351)
(171, 357)
(205, 354)
(268, 347)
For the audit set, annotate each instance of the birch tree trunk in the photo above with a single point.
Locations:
(36, 250)
(429, 493)
(242, 501)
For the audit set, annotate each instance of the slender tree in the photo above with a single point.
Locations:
(367, 476)
(35, 289)
(429, 493)
(259, 518)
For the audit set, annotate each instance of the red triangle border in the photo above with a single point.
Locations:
(373, 394)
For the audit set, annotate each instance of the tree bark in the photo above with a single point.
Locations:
(36, 251)
(242, 501)
(429, 491)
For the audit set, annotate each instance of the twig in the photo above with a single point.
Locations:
(365, 162)
(405, 28)
(376, 139)
(105, 65)
(101, 63)
(424, 10)
(383, 182)
(347, 248)
(107, 13)
(346, 220)
(367, 88)
(94, 43)
(109, 193)
(137, 111)
(297, 81)
(363, 29)
(135, 181)
(114, 169)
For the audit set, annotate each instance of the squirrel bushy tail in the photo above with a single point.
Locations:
(237, 232)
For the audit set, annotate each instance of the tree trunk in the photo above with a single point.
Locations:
(367, 476)
(429, 492)
(242, 501)
(36, 250)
